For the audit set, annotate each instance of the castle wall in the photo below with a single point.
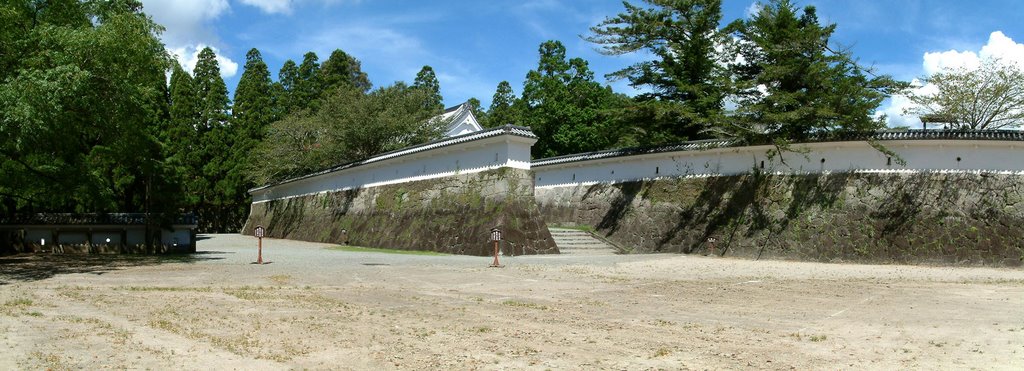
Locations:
(442, 196)
(858, 205)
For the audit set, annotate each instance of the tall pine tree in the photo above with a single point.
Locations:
(181, 136)
(309, 85)
(687, 83)
(215, 138)
(565, 107)
(502, 112)
(284, 88)
(253, 111)
(793, 84)
(343, 70)
(427, 80)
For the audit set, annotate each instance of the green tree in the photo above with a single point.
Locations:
(565, 107)
(344, 70)
(687, 82)
(309, 84)
(83, 96)
(989, 97)
(252, 112)
(478, 112)
(181, 136)
(349, 126)
(284, 89)
(502, 112)
(211, 92)
(215, 136)
(793, 85)
(427, 81)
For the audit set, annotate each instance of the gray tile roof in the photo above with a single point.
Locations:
(92, 219)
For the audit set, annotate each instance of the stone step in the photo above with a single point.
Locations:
(577, 242)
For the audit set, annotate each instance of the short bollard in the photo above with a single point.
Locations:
(259, 245)
(496, 237)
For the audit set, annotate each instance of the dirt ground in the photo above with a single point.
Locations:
(315, 308)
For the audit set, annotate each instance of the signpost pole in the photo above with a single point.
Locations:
(259, 231)
(496, 237)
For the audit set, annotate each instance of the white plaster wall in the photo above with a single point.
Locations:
(136, 236)
(39, 235)
(72, 237)
(467, 157)
(100, 238)
(179, 236)
(920, 155)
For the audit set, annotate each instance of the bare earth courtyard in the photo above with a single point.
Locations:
(316, 308)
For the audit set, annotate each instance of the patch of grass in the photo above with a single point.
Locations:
(523, 304)
(280, 279)
(21, 302)
(661, 322)
(661, 352)
(817, 338)
(385, 251)
(164, 288)
(483, 329)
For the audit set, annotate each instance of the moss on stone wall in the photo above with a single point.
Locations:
(975, 219)
(451, 215)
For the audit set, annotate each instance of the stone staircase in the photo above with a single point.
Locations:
(576, 242)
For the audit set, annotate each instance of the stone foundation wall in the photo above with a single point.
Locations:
(452, 215)
(961, 219)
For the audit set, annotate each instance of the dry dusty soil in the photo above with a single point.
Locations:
(316, 308)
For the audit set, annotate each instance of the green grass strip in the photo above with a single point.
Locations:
(385, 251)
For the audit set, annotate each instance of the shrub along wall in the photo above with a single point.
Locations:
(944, 218)
(451, 214)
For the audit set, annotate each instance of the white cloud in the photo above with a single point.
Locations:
(188, 56)
(948, 60)
(999, 46)
(753, 9)
(185, 20)
(271, 6)
(1003, 48)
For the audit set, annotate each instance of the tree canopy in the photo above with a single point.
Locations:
(682, 35)
(426, 80)
(565, 107)
(83, 96)
(792, 84)
(350, 126)
(989, 97)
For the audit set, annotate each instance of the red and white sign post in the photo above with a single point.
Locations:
(259, 249)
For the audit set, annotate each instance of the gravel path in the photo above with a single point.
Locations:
(316, 308)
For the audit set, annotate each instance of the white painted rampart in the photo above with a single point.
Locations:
(956, 155)
(470, 153)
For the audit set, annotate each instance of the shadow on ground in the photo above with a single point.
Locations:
(34, 267)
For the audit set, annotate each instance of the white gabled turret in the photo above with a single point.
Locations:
(463, 121)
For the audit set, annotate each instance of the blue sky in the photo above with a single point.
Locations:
(473, 45)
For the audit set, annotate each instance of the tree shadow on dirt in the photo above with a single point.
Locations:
(35, 267)
(729, 205)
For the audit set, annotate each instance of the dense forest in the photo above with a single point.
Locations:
(98, 117)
